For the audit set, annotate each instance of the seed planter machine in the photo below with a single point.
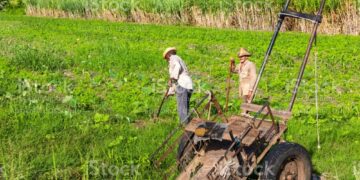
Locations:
(244, 146)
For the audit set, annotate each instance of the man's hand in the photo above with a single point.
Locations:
(170, 94)
(171, 91)
(232, 65)
(169, 83)
(232, 61)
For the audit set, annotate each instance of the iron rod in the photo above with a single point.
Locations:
(162, 102)
(269, 50)
(261, 72)
(306, 58)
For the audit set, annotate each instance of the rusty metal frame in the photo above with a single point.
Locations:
(269, 112)
(273, 134)
(157, 161)
(217, 105)
(172, 134)
(181, 127)
(316, 20)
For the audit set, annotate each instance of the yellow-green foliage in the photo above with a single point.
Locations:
(175, 6)
(76, 94)
(14, 3)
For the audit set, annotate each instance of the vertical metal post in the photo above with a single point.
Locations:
(306, 58)
(269, 50)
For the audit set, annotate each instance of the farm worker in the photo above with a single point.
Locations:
(180, 82)
(247, 74)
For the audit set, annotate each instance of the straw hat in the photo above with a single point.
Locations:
(243, 52)
(167, 50)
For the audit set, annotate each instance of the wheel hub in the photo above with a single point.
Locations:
(290, 171)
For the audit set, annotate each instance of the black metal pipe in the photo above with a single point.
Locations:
(306, 58)
(268, 53)
(287, 5)
(269, 50)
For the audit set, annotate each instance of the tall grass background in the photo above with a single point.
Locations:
(74, 91)
(175, 6)
(340, 16)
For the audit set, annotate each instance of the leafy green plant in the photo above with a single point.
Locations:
(13, 4)
(3, 3)
(84, 92)
(77, 7)
(38, 59)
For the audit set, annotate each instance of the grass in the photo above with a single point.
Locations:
(175, 6)
(339, 17)
(77, 96)
(40, 59)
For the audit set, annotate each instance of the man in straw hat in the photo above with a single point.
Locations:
(180, 82)
(247, 74)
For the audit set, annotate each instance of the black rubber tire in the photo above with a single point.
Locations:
(184, 142)
(285, 155)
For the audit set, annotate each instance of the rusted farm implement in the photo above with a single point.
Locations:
(246, 145)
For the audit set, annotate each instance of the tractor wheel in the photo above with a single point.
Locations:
(287, 161)
(184, 142)
(185, 150)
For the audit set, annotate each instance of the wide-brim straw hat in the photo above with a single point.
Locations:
(167, 50)
(243, 52)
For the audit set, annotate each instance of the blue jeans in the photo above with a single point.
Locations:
(183, 100)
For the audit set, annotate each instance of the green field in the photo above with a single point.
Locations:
(76, 96)
(339, 16)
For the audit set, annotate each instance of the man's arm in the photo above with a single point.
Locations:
(174, 76)
(175, 70)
